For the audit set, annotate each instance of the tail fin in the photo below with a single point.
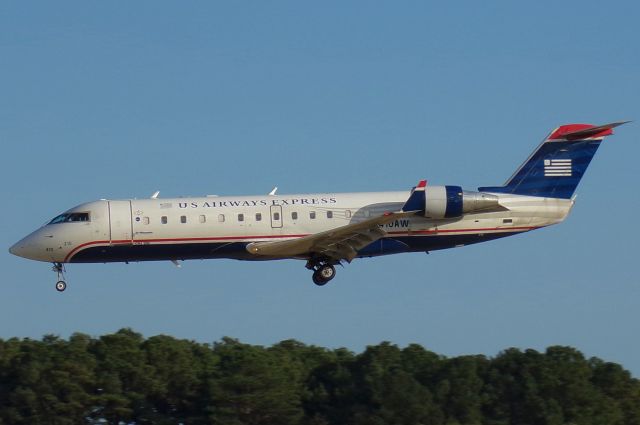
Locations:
(555, 168)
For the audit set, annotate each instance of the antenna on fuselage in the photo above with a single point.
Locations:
(273, 191)
(155, 194)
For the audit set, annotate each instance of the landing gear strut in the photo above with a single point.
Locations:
(322, 272)
(61, 285)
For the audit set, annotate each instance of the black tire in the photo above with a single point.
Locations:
(324, 274)
(61, 285)
(317, 279)
(327, 272)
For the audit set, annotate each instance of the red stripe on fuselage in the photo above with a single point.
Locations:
(255, 238)
(76, 249)
(138, 241)
(434, 232)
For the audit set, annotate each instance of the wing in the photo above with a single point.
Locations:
(335, 245)
(341, 243)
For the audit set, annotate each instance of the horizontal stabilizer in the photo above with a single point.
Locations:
(584, 131)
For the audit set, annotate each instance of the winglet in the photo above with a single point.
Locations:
(417, 198)
(155, 194)
(273, 191)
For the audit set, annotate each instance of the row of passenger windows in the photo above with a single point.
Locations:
(241, 217)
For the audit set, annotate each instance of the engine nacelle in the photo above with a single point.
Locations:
(451, 201)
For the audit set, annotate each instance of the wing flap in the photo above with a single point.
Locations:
(342, 243)
(342, 251)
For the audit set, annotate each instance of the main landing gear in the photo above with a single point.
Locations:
(61, 285)
(322, 272)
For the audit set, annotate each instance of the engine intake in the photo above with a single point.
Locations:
(451, 201)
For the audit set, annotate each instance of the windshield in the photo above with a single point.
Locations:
(70, 217)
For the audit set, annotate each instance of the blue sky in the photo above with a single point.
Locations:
(117, 100)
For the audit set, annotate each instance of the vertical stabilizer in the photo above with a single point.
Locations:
(556, 167)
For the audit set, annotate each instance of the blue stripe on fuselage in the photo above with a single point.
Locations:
(237, 250)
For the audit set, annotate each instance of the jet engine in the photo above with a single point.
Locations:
(451, 201)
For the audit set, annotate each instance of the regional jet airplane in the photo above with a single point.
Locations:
(324, 229)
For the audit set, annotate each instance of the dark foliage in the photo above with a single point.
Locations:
(124, 378)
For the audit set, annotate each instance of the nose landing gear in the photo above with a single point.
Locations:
(61, 285)
(322, 272)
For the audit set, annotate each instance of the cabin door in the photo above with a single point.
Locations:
(120, 222)
(276, 216)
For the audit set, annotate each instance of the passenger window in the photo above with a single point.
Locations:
(240, 217)
(312, 215)
(163, 219)
(329, 214)
(145, 220)
(258, 216)
(221, 218)
(183, 219)
(294, 216)
(276, 216)
(202, 219)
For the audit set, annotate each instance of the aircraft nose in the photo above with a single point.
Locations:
(28, 247)
(36, 246)
(19, 249)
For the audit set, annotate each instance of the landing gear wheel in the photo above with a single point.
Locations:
(327, 272)
(323, 274)
(61, 285)
(317, 280)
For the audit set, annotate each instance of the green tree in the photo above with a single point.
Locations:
(123, 378)
(180, 369)
(515, 390)
(253, 386)
(459, 389)
(332, 390)
(619, 388)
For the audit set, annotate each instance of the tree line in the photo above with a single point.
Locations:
(124, 378)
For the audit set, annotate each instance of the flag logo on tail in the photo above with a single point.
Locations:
(557, 168)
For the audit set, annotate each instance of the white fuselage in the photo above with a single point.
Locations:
(221, 227)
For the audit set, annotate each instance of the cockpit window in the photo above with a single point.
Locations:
(58, 219)
(70, 217)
